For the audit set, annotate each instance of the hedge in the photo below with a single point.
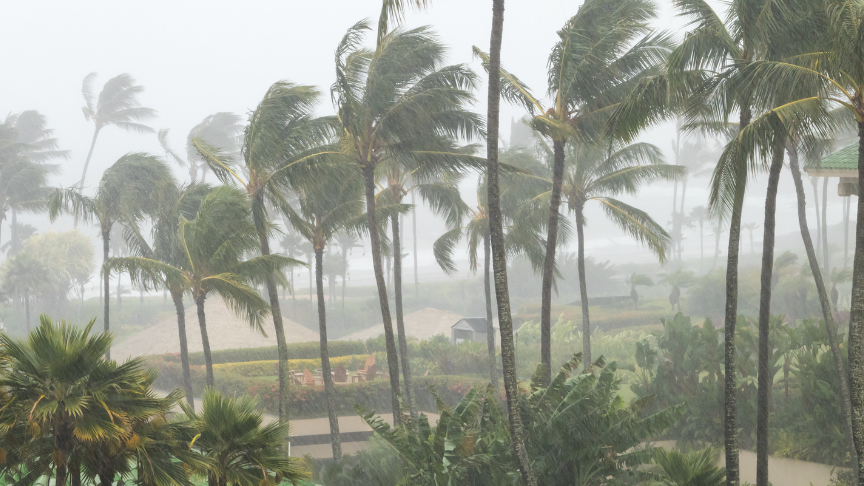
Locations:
(307, 350)
(308, 402)
(268, 367)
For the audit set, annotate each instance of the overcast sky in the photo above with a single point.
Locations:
(195, 58)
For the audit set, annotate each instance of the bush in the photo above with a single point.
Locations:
(306, 402)
(268, 367)
(307, 350)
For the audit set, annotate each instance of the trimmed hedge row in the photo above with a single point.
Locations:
(268, 367)
(307, 350)
(308, 402)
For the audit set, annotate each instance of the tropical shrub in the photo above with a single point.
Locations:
(269, 367)
(306, 350)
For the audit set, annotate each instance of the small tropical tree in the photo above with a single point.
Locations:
(636, 280)
(241, 449)
(128, 190)
(25, 276)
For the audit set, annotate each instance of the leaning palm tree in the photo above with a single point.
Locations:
(214, 262)
(166, 247)
(282, 143)
(496, 240)
(218, 130)
(600, 175)
(116, 105)
(241, 449)
(129, 189)
(330, 204)
(602, 53)
(398, 104)
(637, 280)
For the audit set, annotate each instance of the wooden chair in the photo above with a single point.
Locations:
(340, 375)
(372, 373)
(308, 378)
(369, 362)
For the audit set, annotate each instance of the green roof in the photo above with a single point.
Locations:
(843, 159)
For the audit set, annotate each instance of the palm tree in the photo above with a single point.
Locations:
(678, 280)
(635, 280)
(700, 215)
(25, 275)
(496, 239)
(218, 130)
(291, 243)
(282, 143)
(175, 207)
(602, 53)
(65, 392)
(347, 241)
(241, 449)
(128, 190)
(439, 188)
(396, 104)
(750, 227)
(214, 261)
(331, 204)
(117, 105)
(601, 175)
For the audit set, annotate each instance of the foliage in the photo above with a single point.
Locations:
(689, 469)
(305, 350)
(268, 368)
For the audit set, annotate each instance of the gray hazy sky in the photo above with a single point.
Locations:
(195, 58)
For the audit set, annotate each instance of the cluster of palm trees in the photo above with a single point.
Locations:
(71, 414)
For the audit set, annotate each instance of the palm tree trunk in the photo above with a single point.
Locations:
(259, 216)
(827, 315)
(499, 256)
(375, 243)
(681, 216)
(856, 319)
(335, 440)
(766, 378)
(583, 288)
(86, 166)
(701, 246)
(490, 327)
(106, 241)
(106, 479)
(344, 275)
(205, 340)
(177, 297)
(730, 386)
(717, 231)
(549, 262)
(414, 242)
(826, 255)
(400, 322)
(815, 183)
(848, 205)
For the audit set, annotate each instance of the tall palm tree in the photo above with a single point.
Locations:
(347, 241)
(214, 261)
(496, 237)
(282, 143)
(116, 105)
(700, 215)
(167, 247)
(600, 175)
(129, 189)
(241, 449)
(331, 204)
(439, 188)
(602, 53)
(221, 130)
(398, 103)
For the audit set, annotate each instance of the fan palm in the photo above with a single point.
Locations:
(398, 105)
(600, 175)
(128, 190)
(281, 144)
(218, 130)
(60, 387)
(602, 53)
(214, 261)
(325, 207)
(242, 451)
(116, 105)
